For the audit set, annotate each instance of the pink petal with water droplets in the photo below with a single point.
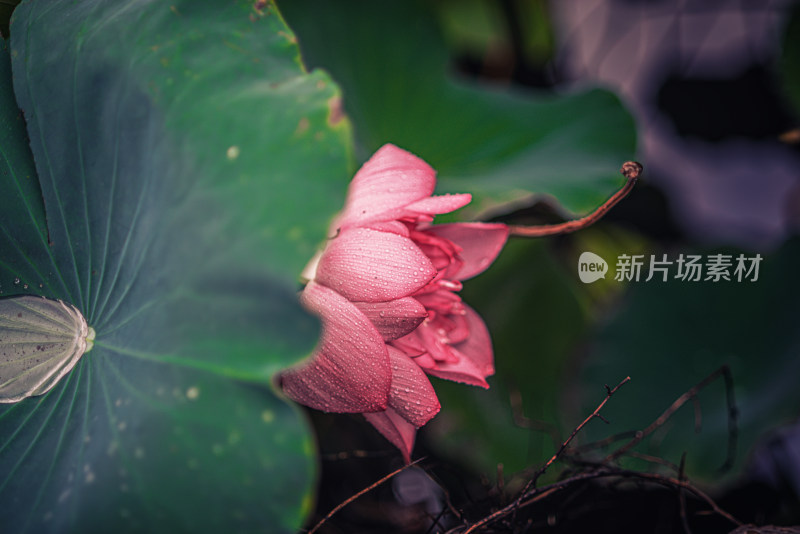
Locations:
(480, 244)
(424, 360)
(478, 346)
(388, 182)
(394, 318)
(458, 328)
(475, 358)
(437, 299)
(461, 371)
(350, 370)
(410, 344)
(443, 253)
(436, 342)
(412, 395)
(440, 204)
(396, 429)
(370, 266)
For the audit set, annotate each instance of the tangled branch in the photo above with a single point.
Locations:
(607, 470)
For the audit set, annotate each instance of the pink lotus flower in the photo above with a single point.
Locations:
(385, 288)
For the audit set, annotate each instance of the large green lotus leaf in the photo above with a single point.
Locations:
(668, 336)
(500, 145)
(175, 145)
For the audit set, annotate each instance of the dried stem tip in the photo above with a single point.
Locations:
(631, 169)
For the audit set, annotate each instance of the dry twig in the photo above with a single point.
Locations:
(602, 472)
(360, 493)
(723, 371)
(531, 494)
(516, 504)
(560, 451)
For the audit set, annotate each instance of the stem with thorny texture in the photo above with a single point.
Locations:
(630, 169)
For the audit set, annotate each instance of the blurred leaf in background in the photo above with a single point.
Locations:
(175, 146)
(790, 67)
(511, 41)
(502, 145)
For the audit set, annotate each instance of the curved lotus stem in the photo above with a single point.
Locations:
(630, 169)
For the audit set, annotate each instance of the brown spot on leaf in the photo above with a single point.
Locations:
(289, 37)
(335, 111)
(302, 126)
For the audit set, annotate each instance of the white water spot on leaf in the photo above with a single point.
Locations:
(41, 340)
(192, 393)
(89, 474)
(233, 152)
